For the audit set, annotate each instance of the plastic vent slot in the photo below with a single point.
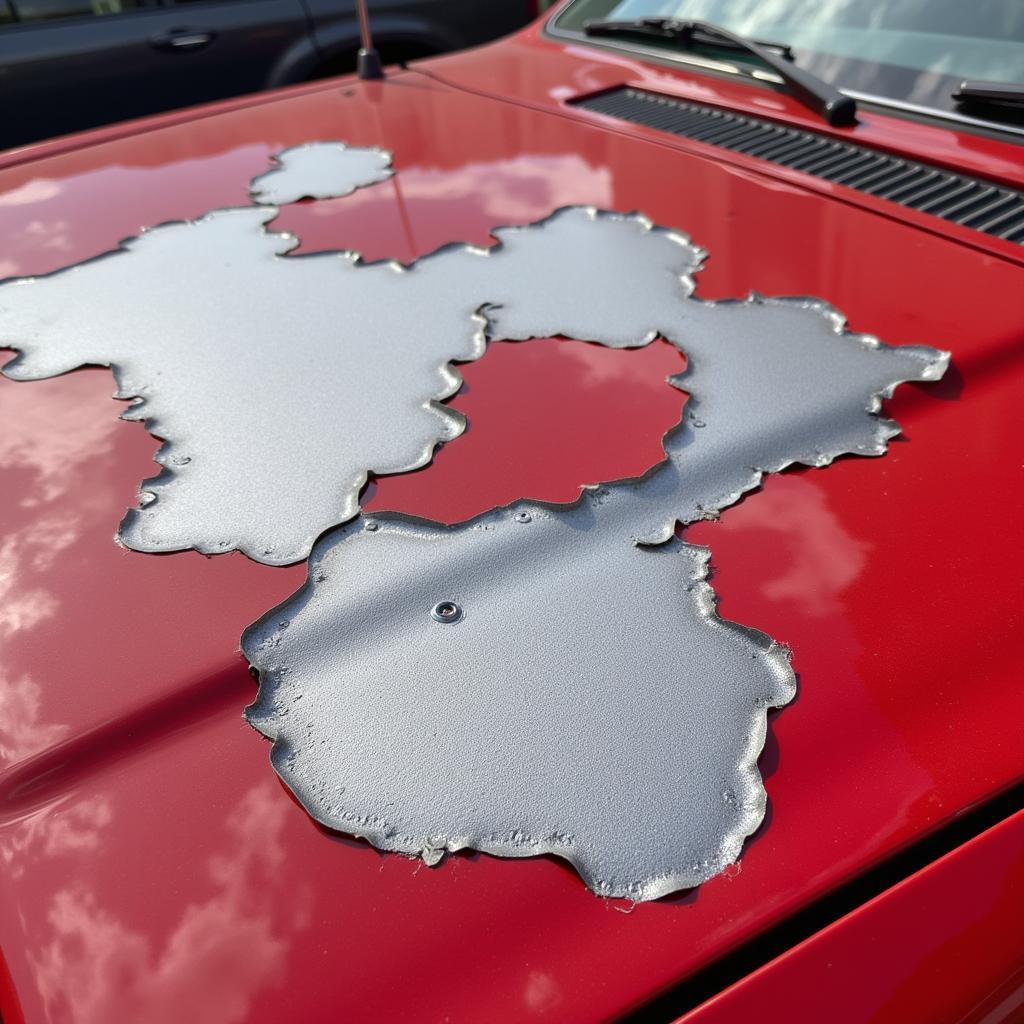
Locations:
(992, 209)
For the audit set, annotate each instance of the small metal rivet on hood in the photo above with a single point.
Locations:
(446, 611)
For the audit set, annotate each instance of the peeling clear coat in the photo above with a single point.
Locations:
(587, 701)
(280, 383)
(320, 170)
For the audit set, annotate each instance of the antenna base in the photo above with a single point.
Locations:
(368, 64)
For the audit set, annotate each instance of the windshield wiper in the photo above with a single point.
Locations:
(676, 28)
(990, 92)
(835, 107)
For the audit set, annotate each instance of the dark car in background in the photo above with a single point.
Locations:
(72, 64)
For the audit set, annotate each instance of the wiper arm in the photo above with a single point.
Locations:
(990, 92)
(835, 107)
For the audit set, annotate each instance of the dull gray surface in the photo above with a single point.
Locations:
(320, 170)
(279, 382)
(586, 701)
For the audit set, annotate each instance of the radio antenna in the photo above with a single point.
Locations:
(368, 60)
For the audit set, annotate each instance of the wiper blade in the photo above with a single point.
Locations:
(675, 28)
(835, 107)
(990, 92)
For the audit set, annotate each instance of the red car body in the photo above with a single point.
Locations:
(153, 867)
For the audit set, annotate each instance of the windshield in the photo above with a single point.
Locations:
(914, 51)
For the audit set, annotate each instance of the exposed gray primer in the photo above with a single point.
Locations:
(320, 170)
(543, 678)
(279, 383)
(589, 703)
(586, 700)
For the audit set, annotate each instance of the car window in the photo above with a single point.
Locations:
(47, 10)
(916, 51)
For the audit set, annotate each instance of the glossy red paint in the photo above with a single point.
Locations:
(944, 945)
(154, 868)
(515, 406)
(533, 67)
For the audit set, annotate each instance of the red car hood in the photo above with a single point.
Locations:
(155, 869)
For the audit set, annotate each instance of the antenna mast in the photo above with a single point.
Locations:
(368, 60)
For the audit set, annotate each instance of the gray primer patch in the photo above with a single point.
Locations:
(585, 700)
(279, 382)
(320, 170)
(542, 678)
(589, 703)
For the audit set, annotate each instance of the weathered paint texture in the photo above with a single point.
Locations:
(588, 701)
(279, 383)
(320, 170)
(585, 700)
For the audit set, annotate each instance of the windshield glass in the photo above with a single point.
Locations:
(916, 51)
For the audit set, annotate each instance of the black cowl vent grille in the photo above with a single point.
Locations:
(993, 209)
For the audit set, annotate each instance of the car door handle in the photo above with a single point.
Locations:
(179, 40)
